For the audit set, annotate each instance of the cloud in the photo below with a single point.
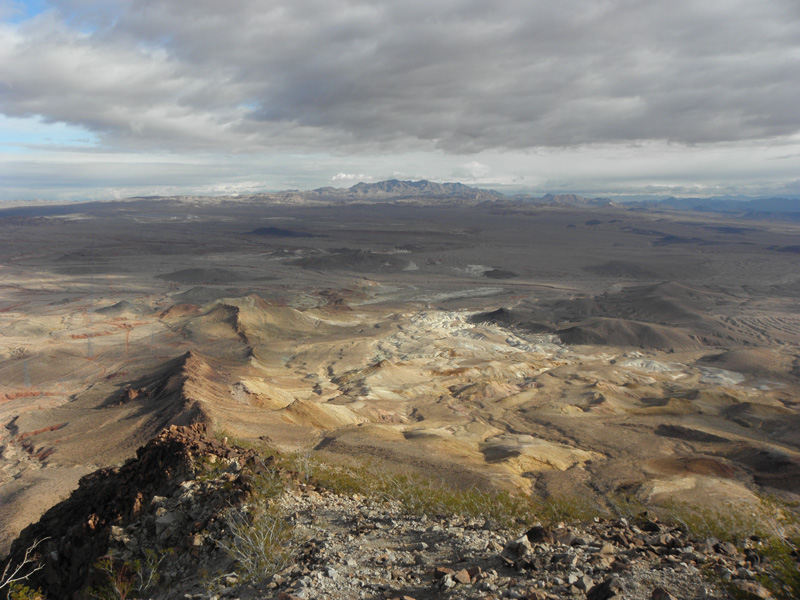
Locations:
(350, 177)
(473, 171)
(176, 96)
(359, 76)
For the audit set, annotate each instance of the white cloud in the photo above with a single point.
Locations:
(472, 171)
(350, 177)
(459, 76)
(513, 92)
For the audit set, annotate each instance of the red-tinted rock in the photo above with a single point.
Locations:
(462, 577)
(440, 572)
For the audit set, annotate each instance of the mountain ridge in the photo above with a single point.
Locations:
(424, 192)
(395, 188)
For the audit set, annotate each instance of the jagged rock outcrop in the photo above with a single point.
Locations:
(78, 529)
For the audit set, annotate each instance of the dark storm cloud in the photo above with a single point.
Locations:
(456, 75)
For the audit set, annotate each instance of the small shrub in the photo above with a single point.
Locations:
(728, 523)
(770, 519)
(19, 591)
(784, 579)
(344, 480)
(556, 509)
(119, 582)
(148, 568)
(223, 435)
(782, 548)
(211, 468)
(302, 463)
(626, 506)
(128, 579)
(774, 522)
(420, 495)
(261, 539)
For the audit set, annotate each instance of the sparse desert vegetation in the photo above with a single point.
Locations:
(280, 527)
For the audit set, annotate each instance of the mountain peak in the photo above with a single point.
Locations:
(397, 189)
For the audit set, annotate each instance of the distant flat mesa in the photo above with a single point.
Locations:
(283, 233)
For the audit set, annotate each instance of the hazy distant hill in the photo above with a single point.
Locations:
(759, 208)
(571, 200)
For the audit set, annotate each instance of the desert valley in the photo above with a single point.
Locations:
(559, 347)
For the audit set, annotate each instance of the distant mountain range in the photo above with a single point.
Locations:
(396, 189)
(564, 200)
(450, 194)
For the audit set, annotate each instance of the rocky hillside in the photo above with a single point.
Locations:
(193, 517)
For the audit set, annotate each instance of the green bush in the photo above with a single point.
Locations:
(20, 591)
(128, 579)
(726, 523)
(784, 577)
(119, 581)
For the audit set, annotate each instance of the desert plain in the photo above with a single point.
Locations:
(577, 350)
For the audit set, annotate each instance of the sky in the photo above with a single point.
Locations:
(103, 99)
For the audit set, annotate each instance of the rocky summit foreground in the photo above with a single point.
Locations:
(178, 520)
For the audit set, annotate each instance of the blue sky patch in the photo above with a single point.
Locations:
(23, 135)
